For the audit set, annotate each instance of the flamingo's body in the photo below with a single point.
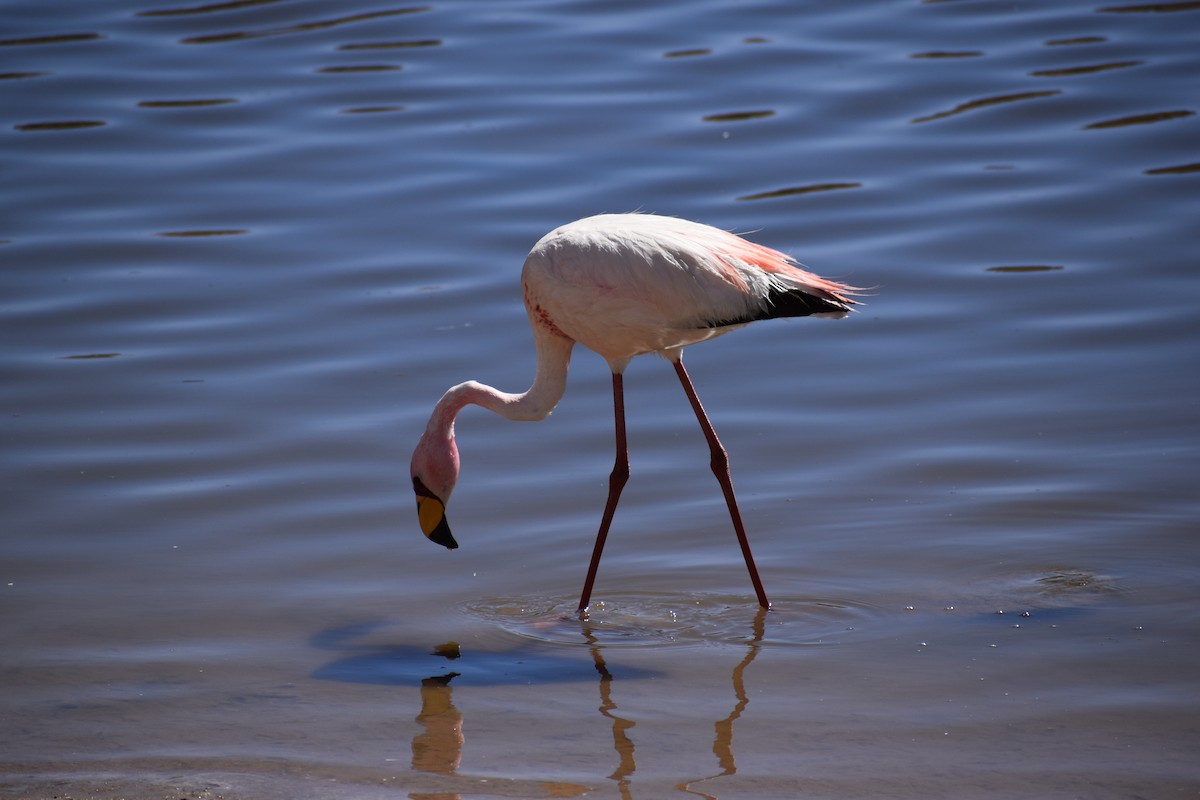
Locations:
(623, 285)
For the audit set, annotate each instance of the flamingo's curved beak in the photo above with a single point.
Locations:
(431, 512)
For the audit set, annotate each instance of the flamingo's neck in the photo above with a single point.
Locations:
(549, 383)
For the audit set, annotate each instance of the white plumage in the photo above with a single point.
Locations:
(627, 284)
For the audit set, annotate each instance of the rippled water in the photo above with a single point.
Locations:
(245, 245)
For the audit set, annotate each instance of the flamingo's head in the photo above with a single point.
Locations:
(434, 473)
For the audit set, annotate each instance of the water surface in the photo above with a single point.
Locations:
(245, 246)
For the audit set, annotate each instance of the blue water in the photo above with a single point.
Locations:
(245, 246)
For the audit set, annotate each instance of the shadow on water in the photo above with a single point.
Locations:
(409, 664)
(437, 748)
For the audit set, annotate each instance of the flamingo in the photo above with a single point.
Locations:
(623, 285)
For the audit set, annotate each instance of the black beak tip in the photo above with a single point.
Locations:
(441, 535)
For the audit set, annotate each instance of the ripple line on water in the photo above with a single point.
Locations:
(202, 232)
(300, 27)
(1178, 169)
(61, 125)
(207, 8)
(1076, 40)
(57, 38)
(1140, 119)
(1153, 8)
(1026, 268)
(985, 102)
(948, 54)
(807, 189)
(1085, 69)
(197, 103)
(739, 116)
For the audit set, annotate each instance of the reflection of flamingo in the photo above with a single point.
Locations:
(723, 740)
(438, 748)
(624, 285)
(620, 725)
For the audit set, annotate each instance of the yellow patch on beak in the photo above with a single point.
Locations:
(431, 512)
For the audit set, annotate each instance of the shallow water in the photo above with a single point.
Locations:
(246, 245)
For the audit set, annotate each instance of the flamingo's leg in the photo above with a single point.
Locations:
(616, 482)
(720, 468)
